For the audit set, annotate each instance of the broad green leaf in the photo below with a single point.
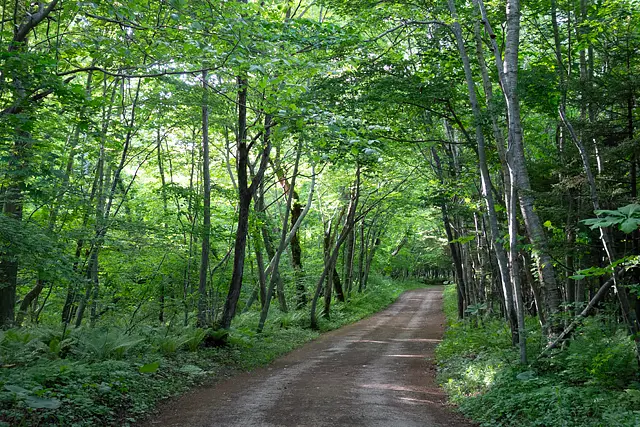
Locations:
(629, 210)
(42, 403)
(629, 225)
(191, 370)
(150, 368)
(609, 213)
(526, 376)
(16, 389)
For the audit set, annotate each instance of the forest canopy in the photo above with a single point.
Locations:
(174, 164)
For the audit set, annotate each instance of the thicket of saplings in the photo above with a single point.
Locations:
(593, 381)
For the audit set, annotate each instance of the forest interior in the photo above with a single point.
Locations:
(190, 189)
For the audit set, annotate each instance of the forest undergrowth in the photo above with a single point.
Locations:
(592, 382)
(111, 376)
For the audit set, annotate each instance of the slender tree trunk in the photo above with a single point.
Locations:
(361, 257)
(192, 220)
(266, 239)
(330, 233)
(104, 214)
(206, 220)
(245, 193)
(282, 245)
(349, 252)
(515, 267)
(165, 213)
(487, 186)
(628, 313)
(375, 243)
(296, 256)
(453, 248)
(508, 77)
(333, 257)
(92, 264)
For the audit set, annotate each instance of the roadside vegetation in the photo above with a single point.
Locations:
(111, 376)
(182, 174)
(592, 382)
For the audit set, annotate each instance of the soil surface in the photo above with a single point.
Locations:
(377, 372)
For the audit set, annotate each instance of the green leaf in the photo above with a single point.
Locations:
(629, 210)
(526, 376)
(42, 403)
(16, 389)
(609, 213)
(191, 370)
(629, 225)
(150, 368)
(464, 239)
(601, 222)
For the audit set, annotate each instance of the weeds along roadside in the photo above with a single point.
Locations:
(104, 376)
(591, 382)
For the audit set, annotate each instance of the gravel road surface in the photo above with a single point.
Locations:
(378, 372)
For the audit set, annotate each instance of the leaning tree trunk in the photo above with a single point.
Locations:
(333, 257)
(281, 247)
(330, 233)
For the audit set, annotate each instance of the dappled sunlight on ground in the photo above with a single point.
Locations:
(417, 356)
(412, 400)
(416, 340)
(400, 387)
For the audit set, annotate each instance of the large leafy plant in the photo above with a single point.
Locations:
(627, 218)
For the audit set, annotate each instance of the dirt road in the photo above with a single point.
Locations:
(377, 372)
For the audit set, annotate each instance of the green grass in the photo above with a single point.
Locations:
(593, 382)
(107, 377)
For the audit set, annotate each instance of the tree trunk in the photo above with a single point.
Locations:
(333, 257)
(206, 220)
(487, 186)
(245, 194)
(453, 248)
(509, 81)
(330, 233)
(282, 246)
(349, 252)
(165, 213)
(628, 313)
(361, 257)
(375, 242)
(296, 256)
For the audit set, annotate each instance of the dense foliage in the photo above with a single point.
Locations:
(170, 167)
(592, 383)
(108, 376)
